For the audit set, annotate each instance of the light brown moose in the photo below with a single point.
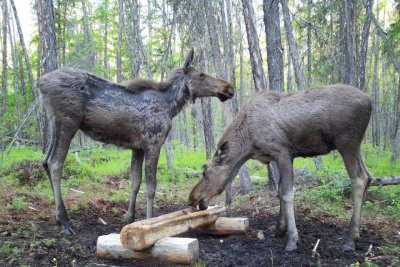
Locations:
(273, 127)
(137, 116)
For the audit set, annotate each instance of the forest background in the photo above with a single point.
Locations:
(277, 45)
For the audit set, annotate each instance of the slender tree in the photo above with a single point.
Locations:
(275, 67)
(254, 48)
(364, 46)
(294, 56)
(47, 35)
(24, 51)
(119, 41)
(4, 9)
(48, 50)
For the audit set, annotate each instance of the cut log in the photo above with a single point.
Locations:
(143, 234)
(226, 226)
(387, 180)
(169, 250)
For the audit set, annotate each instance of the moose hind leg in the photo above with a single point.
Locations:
(55, 164)
(136, 179)
(151, 161)
(285, 164)
(359, 181)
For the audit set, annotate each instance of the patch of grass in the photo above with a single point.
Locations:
(390, 250)
(18, 203)
(47, 242)
(8, 249)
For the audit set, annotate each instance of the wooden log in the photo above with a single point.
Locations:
(387, 180)
(143, 234)
(169, 250)
(226, 226)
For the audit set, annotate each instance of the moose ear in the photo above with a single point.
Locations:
(188, 61)
(205, 166)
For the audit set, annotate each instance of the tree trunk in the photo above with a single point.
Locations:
(274, 46)
(89, 63)
(105, 18)
(348, 56)
(292, 45)
(48, 50)
(24, 51)
(396, 139)
(254, 49)
(4, 9)
(119, 41)
(364, 46)
(289, 74)
(275, 67)
(388, 47)
(15, 68)
(245, 182)
(134, 7)
(376, 121)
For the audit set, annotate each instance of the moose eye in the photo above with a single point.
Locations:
(202, 75)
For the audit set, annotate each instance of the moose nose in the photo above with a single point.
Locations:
(231, 91)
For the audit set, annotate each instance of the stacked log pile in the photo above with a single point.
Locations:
(153, 238)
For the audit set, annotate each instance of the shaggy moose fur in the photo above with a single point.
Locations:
(137, 116)
(272, 127)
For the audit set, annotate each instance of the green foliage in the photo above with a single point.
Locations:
(7, 248)
(18, 203)
(333, 194)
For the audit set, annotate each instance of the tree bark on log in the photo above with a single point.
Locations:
(143, 234)
(169, 250)
(387, 180)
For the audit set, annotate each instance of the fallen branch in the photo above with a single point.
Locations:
(102, 221)
(77, 191)
(387, 180)
(314, 251)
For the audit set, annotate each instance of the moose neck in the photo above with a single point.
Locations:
(178, 95)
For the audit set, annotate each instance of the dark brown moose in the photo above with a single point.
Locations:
(273, 127)
(137, 116)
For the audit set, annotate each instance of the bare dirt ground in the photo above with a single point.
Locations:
(33, 238)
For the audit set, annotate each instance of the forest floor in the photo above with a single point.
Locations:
(30, 237)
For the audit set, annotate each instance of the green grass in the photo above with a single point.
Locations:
(18, 203)
(88, 171)
(333, 195)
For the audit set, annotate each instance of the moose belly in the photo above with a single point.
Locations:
(312, 145)
(111, 134)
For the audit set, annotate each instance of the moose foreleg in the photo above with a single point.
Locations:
(281, 228)
(151, 161)
(285, 164)
(136, 179)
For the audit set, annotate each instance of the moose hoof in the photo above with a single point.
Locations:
(291, 246)
(348, 247)
(67, 230)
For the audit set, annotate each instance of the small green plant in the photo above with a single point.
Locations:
(6, 248)
(18, 203)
